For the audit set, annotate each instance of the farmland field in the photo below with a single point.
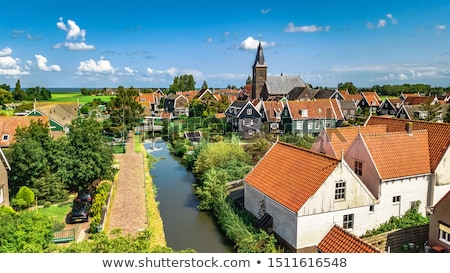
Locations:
(74, 96)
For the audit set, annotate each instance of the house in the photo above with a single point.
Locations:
(9, 124)
(438, 146)
(176, 104)
(60, 115)
(339, 240)
(383, 161)
(4, 190)
(389, 107)
(439, 226)
(244, 118)
(303, 193)
(370, 101)
(149, 102)
(349, 108)
(354, 97)
(309, 117)
(275, 87)
(419, 107)
(271, 115)
(327, 94)
(335, 141)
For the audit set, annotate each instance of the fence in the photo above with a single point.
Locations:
(64, 236)
(396, 239)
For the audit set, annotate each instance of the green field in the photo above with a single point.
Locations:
(74, 96)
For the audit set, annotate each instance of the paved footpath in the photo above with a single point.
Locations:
(128, 206)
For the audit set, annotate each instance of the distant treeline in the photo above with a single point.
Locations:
(397, 90)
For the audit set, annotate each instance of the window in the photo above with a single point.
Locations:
(5, 137)
(248, 122)
(339, 192)
(444, 233)
(304, 112)
(348, 221)
(310, 125)
(299, 125)
(317, 124)
(396, 199)
(371, 208)
(2, 198)
(358, 167)
(415, 204)
(249, 112)
(328, 124)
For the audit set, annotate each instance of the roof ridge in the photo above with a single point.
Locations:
(308, 151)
(393, 132)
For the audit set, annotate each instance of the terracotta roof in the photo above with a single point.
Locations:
(392, 153)
(8, 125)
(146, 97)
(319, 108)
(355, 97)
(438, 134)
(372, 98)
(338, 240)
(341, 137)
(290, 182)
(220, 115)
(417, 100)
(270, 107)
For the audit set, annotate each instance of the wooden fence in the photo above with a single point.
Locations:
(395, 240)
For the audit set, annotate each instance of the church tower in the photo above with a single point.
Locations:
(259, 73)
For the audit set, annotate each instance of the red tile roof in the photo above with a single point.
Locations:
(319, 108)
(290, 175)
(338, 240)
(271, 107)
(340, 138)
(438, 134)
(8, 125)
(146, 97)
(392, 153)
(372, 98)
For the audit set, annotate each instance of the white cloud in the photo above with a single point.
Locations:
(381, 23)
(209, 40)
(265, 11)
(75, 37)
(8, 65)
(393, 20)
(101, 66)
(312, 28)
(251, 43)
(42, 64)
(440, 27)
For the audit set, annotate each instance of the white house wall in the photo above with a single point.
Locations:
(284, 220)
(442, 178)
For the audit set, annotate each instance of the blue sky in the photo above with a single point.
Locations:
(139, 43)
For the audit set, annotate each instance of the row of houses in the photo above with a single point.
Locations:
(352, 180)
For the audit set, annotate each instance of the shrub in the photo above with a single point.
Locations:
(26, 195)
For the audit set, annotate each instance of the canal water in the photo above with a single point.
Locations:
(184, 225)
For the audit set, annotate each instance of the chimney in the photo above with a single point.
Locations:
(408, 128)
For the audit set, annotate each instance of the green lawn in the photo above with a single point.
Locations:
(57, 212)
(74, 96)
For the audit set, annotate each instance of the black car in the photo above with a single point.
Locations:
(84, 196)
(79, 212)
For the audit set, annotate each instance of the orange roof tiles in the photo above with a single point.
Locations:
(438, 134)
(8, 125)
(392, 153)
(338, 240)
(341, 137)
(146, 98)
(290, 175)
(372, 98)
(319, 108)
(271, 107)
(355, 97)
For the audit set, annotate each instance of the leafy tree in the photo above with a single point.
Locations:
(431, 108)
(25, 232)
(257, 149)
(249, 80)
(125, 108)
(26, 195)
(89, 158)
(5, 86)
(347, 86)
(5, 96)
(182, 83)
(39, 93)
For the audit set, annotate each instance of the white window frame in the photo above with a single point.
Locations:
(340, 190)
(299, 125)
(5, 137)
(249, 112)
(396, 199)
(444, 234)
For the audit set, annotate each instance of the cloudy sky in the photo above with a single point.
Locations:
(95, 44)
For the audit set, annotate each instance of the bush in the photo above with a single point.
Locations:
(26, 195)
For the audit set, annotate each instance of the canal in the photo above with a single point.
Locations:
(184, 225)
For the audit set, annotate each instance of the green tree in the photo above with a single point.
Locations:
(347, 86)
(5, 96)
(249, 80)
(125, 108)
(5, 86)
(25, 232)
(89, 158)
(182, 83)
(204, 85)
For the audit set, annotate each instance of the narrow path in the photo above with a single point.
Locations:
(128, 206)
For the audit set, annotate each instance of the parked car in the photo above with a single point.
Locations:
(79, 212)
(84, 196)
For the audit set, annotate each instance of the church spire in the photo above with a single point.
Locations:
(259, 60)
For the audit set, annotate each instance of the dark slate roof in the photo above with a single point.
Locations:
(347, 103)
(324, 94)
(259, 60)
(282, 85)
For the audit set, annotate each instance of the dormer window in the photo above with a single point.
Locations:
(249, 112)
(304, 113)
(5, 137)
